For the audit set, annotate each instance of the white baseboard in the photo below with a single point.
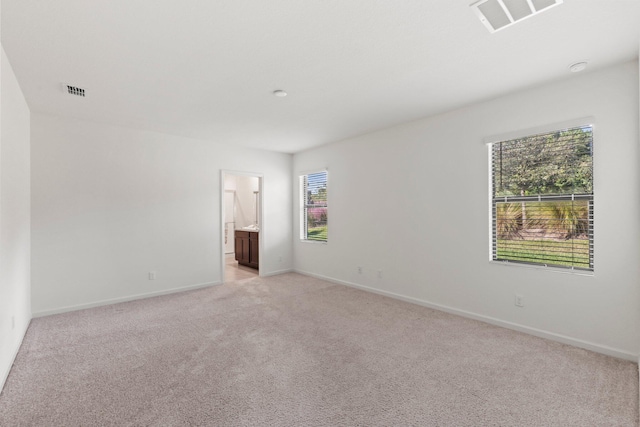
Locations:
(123, 299)
(609, 351)
(275, 273)
(7, 369)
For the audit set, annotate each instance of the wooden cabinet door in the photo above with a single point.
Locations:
(242, 247)
(247, 247)
(246, 254)
(254, 246)
(238, 247)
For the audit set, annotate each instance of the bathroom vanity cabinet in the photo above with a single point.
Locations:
(247, 247)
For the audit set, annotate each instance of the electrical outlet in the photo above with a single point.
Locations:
(359, 270)
(279, 259)
(152, 275)
(519, 301)
(379, 274)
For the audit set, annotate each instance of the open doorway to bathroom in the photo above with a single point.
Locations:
(241, 225)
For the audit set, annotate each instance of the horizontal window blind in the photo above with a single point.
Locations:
(542, 199)
(314, 214)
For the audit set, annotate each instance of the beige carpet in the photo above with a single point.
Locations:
(294, 351)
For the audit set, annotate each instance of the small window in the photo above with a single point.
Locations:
(542, 199)
(313, 200)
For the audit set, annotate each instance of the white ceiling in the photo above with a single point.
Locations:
(207, 69)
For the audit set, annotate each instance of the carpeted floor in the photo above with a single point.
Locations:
(295, 351)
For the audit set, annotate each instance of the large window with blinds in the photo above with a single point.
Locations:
(313, 204)
(542, 199)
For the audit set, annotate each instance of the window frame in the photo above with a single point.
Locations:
(540, 130)
(304, 206)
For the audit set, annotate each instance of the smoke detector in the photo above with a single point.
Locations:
(499, 14)
(74, 90)
(578, 66)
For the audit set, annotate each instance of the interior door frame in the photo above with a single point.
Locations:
(260, 176)
(233, 193)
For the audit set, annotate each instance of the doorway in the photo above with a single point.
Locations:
(229, 220)
(241, 225)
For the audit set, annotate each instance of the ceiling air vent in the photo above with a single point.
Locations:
(75, 90)
(499, 14)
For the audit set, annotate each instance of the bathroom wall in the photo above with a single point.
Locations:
(240, 209)
(246, 200)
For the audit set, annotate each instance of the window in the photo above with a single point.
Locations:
(313, 201)
(542, 199)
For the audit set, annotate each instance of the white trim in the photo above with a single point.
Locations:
(225, 220)
(552, 127)
(124, 299)
(278, 272)
(603, 349)
(222, 224)
(577, 272)
(490, 199)
(7, 369)
(539, 130)
(302, 203)
(261, 245)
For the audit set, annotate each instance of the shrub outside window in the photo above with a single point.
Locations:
(314, 213)
(542, 199)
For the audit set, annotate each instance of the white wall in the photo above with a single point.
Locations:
(245, 200)
(111, 204)
(435, 171)
(15, 292)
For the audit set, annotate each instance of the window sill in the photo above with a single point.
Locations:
(542, 267)
(314, 242)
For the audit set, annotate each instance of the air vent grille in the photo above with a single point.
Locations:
(499, 14)
(74, 90)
